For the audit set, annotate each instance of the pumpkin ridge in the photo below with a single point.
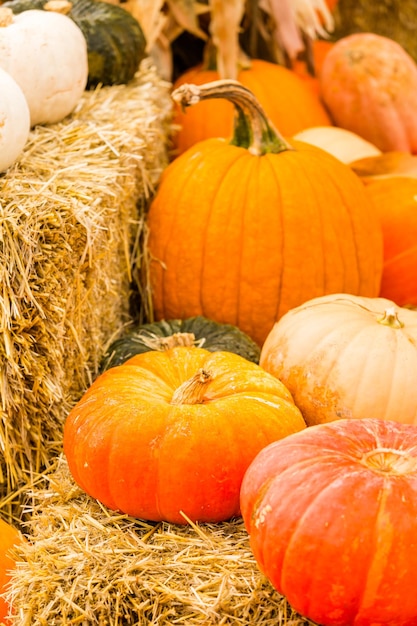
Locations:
(322, 495)
(280, 213)
(216, 210)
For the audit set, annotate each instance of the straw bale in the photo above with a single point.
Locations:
(71, 234)
(84, 564)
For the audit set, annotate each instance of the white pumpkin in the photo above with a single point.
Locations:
(46, 53)
(14, 121)
(343, 144)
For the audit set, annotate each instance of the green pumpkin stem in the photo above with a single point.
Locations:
(192, 390)
(252, 129)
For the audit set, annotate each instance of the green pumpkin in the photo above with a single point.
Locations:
(115, 40)
(162, 335)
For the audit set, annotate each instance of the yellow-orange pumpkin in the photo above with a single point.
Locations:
(287, 99)
(173, 432)
(243, 232)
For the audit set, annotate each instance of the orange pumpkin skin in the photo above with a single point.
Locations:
(134, 446)
(332, 518)
(343, 356)
(369, 86)
(9, 538)
(288, 100)
(396, 202)
(242, 239)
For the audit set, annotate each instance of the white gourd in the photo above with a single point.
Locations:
(14, 121)
(343, 144)
(46, 53)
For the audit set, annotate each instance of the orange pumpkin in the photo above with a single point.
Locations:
(286, 98)
(369, 86)
(242, 232)
(396, 202)
(9, 538)
(343, 356)
(332, 517)
(173, 432)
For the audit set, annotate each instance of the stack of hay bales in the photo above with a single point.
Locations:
(71, 250)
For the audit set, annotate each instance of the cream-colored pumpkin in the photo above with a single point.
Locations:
(46, 54)
(343, 144)
(343, 356)
(14, 121)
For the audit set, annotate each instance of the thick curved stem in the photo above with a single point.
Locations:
(253, 129)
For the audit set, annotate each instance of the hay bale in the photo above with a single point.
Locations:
(84, 564)
(72, 222)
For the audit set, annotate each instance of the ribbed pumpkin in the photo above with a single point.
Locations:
(242, 232)
(115, 40)
(194, 331)
(369, 85)
(332, 517)
(343, 356)
(173, 432)
(9, 538)
(299, 108)
(396, 201)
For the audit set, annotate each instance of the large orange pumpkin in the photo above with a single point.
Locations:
(396, 201)
(332, 517)
(242, 232)
(343, 356)
(9, 538)
(369, 85)
(287, 99)
(174, 431)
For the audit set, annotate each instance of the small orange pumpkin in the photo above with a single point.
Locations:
(343, 356)
(286, 98)
(242, 232)
(368, 83)
(173, 432)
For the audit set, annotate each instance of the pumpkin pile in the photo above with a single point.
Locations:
(272, 387)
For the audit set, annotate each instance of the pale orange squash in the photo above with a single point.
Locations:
(343, 356)
(369, 86)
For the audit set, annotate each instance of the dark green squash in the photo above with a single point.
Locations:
(115, 40)
(162, 335)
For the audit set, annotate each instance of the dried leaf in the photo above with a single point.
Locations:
(150, 16)
(185, 14)
(296, 19)
(226, 16)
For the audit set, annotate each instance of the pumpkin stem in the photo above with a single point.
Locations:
(390, 318)
(6, 16)
(390, 461)
(58, 6)
(192, 390)
(252, 129)
(154, 342)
